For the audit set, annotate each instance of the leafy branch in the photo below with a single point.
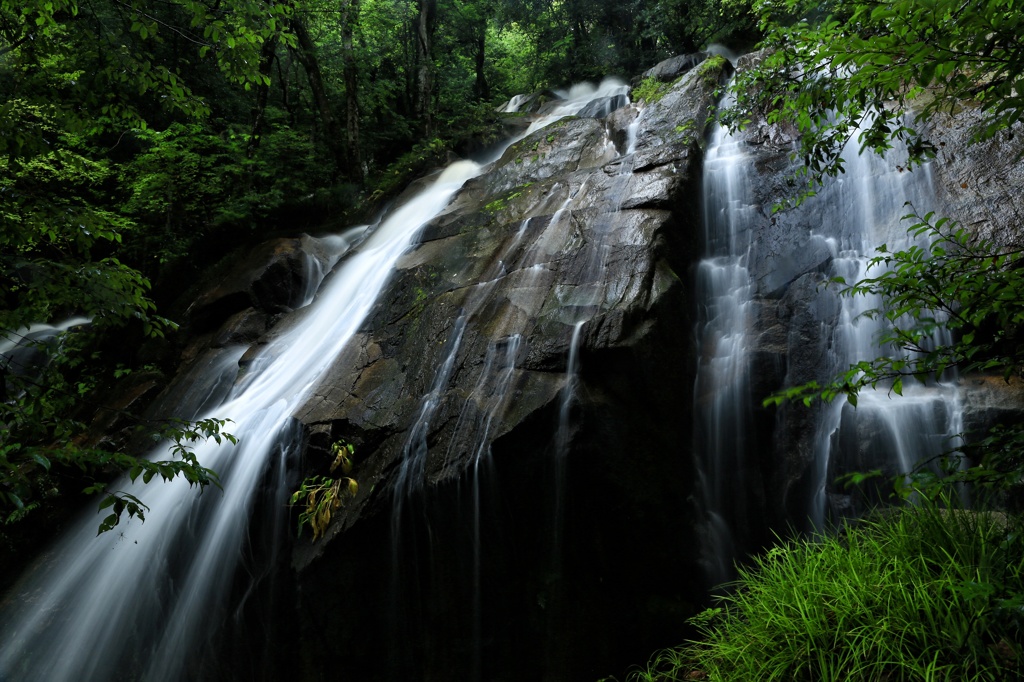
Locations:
(321, 496)
(181, 434)
(845, 69)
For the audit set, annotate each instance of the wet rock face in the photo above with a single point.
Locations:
(562, 229)
(979, 184)
(465, 360)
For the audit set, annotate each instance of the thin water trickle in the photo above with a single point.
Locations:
(492, 393)
(525, 259)
(563, 434)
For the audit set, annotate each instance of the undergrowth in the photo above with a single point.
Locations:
(917, 594)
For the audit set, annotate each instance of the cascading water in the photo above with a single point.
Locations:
(524, 258)
(144, 600)
(850, 216)
(866, 209)
(722, 389)
(22, 350)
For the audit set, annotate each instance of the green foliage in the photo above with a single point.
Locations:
(423, 157)
(91, 66)
(321, 496)
(509, 47)
(683, 26)
(81, 85)
(188, 182)
(650, 90)
(920, 593)
(43, 443)
(832, 66)
(180, 435)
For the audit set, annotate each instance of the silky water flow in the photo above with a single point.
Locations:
(854, 214)
(147, 596)
(414, 556)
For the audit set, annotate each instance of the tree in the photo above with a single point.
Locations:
(349, 18)
(886, 62)
(77, 82)
(426, 22)
(306, 53)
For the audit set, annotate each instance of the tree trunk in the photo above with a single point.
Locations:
(267, 54)
(305, 52)
(481, 90)
(425, 63)
(350, 73)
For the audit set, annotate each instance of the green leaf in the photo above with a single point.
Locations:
(108, 523)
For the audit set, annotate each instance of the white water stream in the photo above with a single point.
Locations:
(854, 214)
(866, 208)
(147, 594)
(136, 602)
(483, 408)
(722, 389)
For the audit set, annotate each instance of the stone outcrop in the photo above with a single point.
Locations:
(272, 278)
(978, 184)
(465, 360)
(673, 67)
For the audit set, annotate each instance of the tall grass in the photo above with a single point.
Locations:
(918, 594)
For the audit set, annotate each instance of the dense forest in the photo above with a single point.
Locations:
(142, 142)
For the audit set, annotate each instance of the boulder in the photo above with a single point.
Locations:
(272, 278)
(673, 67)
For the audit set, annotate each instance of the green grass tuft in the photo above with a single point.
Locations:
(917, 594)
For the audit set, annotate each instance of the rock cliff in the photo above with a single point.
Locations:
(519, 403)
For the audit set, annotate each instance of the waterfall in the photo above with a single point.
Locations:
(416, 541)
(848, 219)
(144, 599)
(22, 351)
(866, 208)
(722, 391)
